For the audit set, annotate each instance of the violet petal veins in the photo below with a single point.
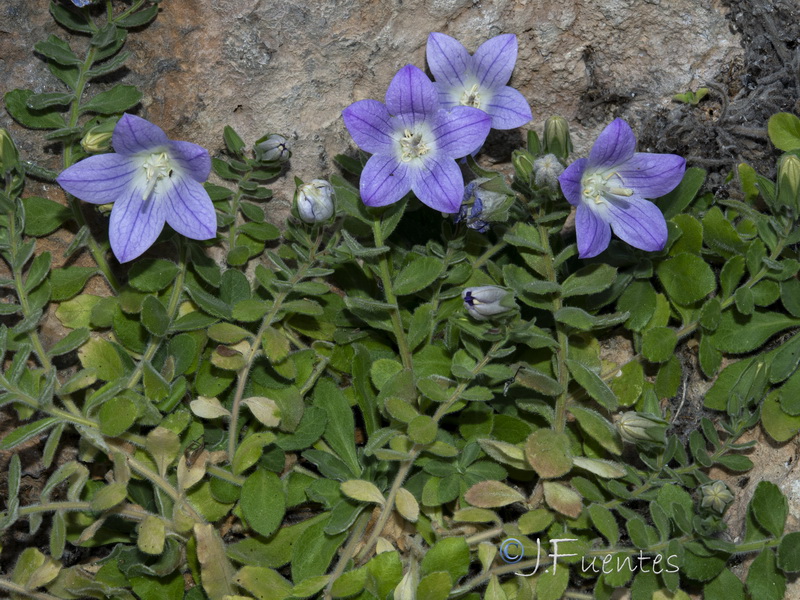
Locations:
(610, 189)
(479, 80)
(414, 143)
(151, 180)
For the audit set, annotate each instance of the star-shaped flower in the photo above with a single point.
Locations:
(609, 188)
(414, 143)
(479, 80)
(150, 179)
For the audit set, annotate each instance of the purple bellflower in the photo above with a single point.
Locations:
(609, 188)
(414, 143)
(479, 80)
(150, 179)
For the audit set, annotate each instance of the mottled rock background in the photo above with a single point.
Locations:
(291, 67)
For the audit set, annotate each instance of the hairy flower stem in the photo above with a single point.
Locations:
(388, 290)
(172, 310)
(563, 340)
(255, 345)
(15, 588)
(415, 451)
(356, 534)
(237, 197)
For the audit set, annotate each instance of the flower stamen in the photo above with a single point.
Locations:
(412, 146)
(471, 97)
(156, 168)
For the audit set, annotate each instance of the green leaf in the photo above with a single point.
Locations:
(417, 275)
(492, 494)
(763, 579)
(74, 339)
(341, 425)
(69, 281)
(725, 586)
(154, 316)
(22, 434)
(233, 142)
(43, 216)
(738, 334)
(591, 279)
(678, 199)
(109, 496)
(658, 344)
(263, 501)
(770, 507)
(54, 49)
(450, 555)
(552, 583)
(789, 553)
(784, 131)
(363, 491)
(100, 355)
(639, 299)
(116, 100)
(593, 384)
(686, 278)
(605, 523)
(319, 549)
(117, 415)
(70, 19)
(548, 452)
(597, 427)
(384, 572)
(16, 104)
(535, 379)
(152, 274)
(720, 236)
(139, 18)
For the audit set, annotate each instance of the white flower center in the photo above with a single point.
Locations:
(600, 187)
(156, 167)
(471, 97)
(412, 145)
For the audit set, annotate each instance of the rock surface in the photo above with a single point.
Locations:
(291, 67)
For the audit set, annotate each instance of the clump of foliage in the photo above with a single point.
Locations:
(394, 404)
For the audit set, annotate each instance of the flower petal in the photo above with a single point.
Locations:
(494, 60)
(188, 209)
(592, 232)
(614, 145)
(439, 184)
(133, 134)
(412, 92)
(508, 109)
(638, 222)
(570, 181)
(368, 121)
(135, 224)
(384, 180)
(101, 179)
(448, 60)
(460, 131)
(652, 175)
(192, 159)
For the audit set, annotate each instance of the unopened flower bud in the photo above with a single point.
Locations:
(487, 301)
(97, 140)
(9, 157)
(546, 171)
(523, 165)
(315, 201)
(556, 137)
(272, 148)
(638, 427)
(716, 495)
(481, 206)
(789, 180)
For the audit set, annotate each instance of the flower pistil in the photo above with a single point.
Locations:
(472, 97)
(412, 145)
(596, 186)
(156, 167)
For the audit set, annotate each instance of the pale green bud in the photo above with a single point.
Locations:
(716, 495)
(9, 157)
(272, 148)
(638, 427)
(315, 201)
(546, 171)
(96, 140)
(556, 137)
(789, 180)
(523, 165)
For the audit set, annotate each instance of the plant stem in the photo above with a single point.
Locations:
(355, 537)
(255, 345)
(388, 290)
(15, 588)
